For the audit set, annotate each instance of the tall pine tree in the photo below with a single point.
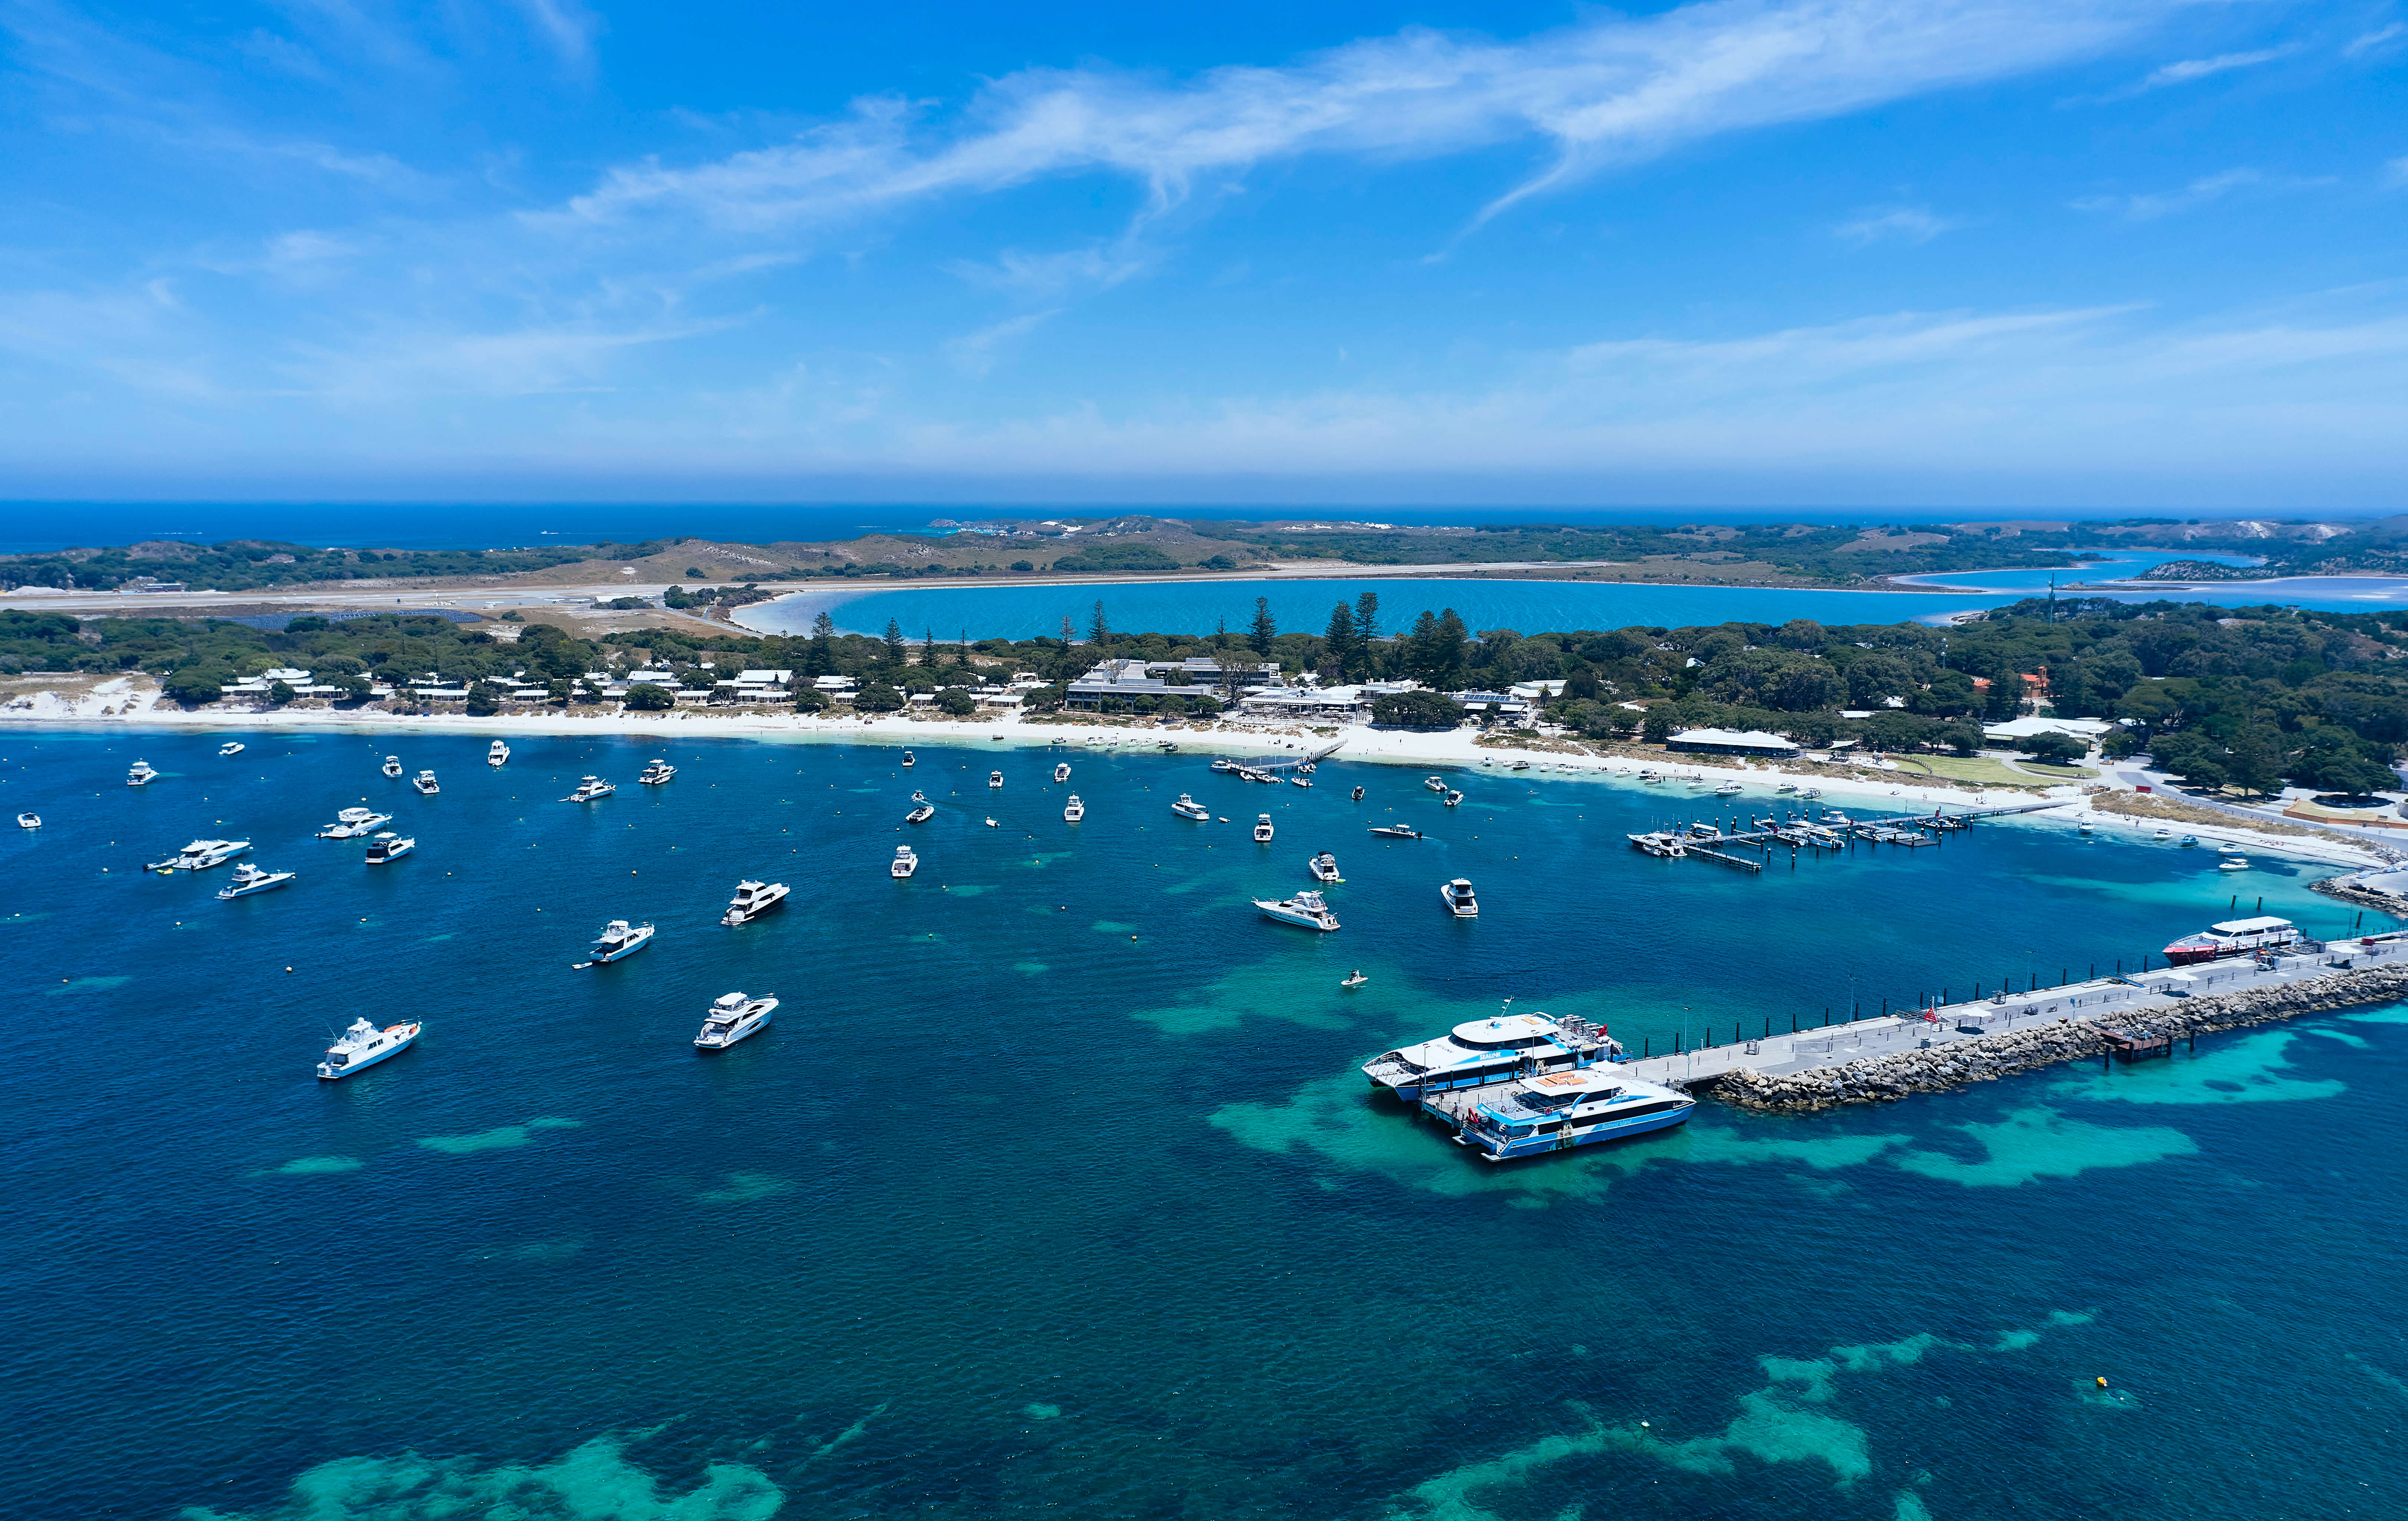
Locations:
(1264, 629)
(1339, 638)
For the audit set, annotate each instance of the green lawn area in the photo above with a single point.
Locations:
(2068, 773)
(1979, 770)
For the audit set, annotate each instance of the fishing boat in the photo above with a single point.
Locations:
(1262, 829)
(590, 789)
(618, 941)
(391, 766)
(655, 772)
(363, 1045)
(751, 900)
(1305, 909)
(497, 754)
(140, 774)
(1188, 808)
(424, 782)
(1554, 1111)
(1457, 897)
(904, 863)
(733, 1016)
(994, 779)
(1324, 867)
(231, 747)
(1061, 770)
(1661, 842)
(1481, 1051)
(1395, 831)
(389, 847)
(1073, 810)
(29, 821)
(2232, 937)
(249, 879)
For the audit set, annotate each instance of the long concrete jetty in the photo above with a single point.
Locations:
(1947, 1046)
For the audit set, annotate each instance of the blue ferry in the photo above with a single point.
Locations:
(1554, 1111)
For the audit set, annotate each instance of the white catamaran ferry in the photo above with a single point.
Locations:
(1554, 1111)
(1497, 1049)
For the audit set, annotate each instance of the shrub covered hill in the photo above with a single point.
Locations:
(2242, 697)
(1800, 554)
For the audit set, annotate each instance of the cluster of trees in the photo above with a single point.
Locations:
(245, 564)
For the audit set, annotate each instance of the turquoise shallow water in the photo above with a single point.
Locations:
(1053, 1190)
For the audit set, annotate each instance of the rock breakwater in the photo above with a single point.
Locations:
(1956, 1064)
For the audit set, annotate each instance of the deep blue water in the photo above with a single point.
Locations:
(1053, 1190)
(954, 609)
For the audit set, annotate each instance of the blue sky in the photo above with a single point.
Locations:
(1839, 252)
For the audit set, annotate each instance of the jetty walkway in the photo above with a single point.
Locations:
(1947, 1045)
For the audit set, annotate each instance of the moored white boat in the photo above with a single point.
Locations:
(1395, 831)
(620, 940)
(753, 899)
(1453, 798)
(1481, 1051)
(231, 747)
(249, 879)
(391, 766)
(363, 1045)
(1305, 909)
(140, 774)
(1729, 789)
(424, 782)
(200, 855)
(1262, 829)
(1188, 808)
(497, 754)
(1457, 897)
(389, 847)
(994, 779)
(733, 1017)
(904, 863)
(910, 759)
(352, 823)
(1324, 867)
(29, 821)
(1661, 842)
(1435, 783)
(655, 772)
(2232, 937)
(590, 789)
(1061, 770)
(2233, 863)
(1073, 810)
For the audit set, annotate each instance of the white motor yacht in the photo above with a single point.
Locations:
(389, 847)
(753, 899)
(365, 1045)
(1659, 843)
(1305, 909)
(353, 823)
(424, 782)
(140, 774)
(231, 747)
(904, 863)
(1458, 899)
(1061, 770)
(200, 855)
(590, 789)
(2233, 863)
(391, 766)
(1324, 867)
(1073, 810)
(1729, 789)
(249, 879)
(618, 941)
(1223, 762)
(1188, 808)
(1395, 831)
(29, 821)
(1262, 828)
(733, 1016)
(497, 754)
(1299, 781)
(994, 779)
(655, 772)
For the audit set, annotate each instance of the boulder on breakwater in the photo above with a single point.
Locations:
(1957, 1063)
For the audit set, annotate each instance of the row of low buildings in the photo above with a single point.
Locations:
(1262, 691)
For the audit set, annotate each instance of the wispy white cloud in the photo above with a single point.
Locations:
(975, 353)
(2396, 173)
(2191, 69)
(2381, 40)
(2204, 190)
(1605, 91)
(1912, 223)
(568, 25)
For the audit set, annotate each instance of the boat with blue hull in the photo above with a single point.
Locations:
(1482, 1052)
(1556, 1111)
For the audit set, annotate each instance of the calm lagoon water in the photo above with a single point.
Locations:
(1054, 1191)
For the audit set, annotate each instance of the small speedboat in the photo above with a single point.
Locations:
(390, 847)
(2231, 849)
(1188, 808)
(365, 1045)
(655, 772)
(1358, 794)
(1262, 829)
(1354, 979)
(1810, 792)
(2161, 834)
(923, 813)
(2232, 863)
(590, 789)
(1521, 766)
(1061, 770)
(994, 779)
(231, 747)
(2089, 828)
(1073, 810)
(1453, 799)
(2190, 839)
(1458, 898)
(908, 759)
(1729, 789)
(753, 899)
(992, 825)
(140, 774)
(1397, 831)
(1786, 786)
(733, 1016)
(618, 941)
(29, 821)
(1435, 783)
(904, 863)
(497, 754)
(249, 879)
(1305, 909)
(1324, 867)
(391, 766)
(1299, 781)
(424, 782)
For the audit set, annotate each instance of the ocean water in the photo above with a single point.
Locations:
(1053, 1190)
(958, 609)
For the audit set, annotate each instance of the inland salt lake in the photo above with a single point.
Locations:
(1054, 1191)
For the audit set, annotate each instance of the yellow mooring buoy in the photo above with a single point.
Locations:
(2102, 1384)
